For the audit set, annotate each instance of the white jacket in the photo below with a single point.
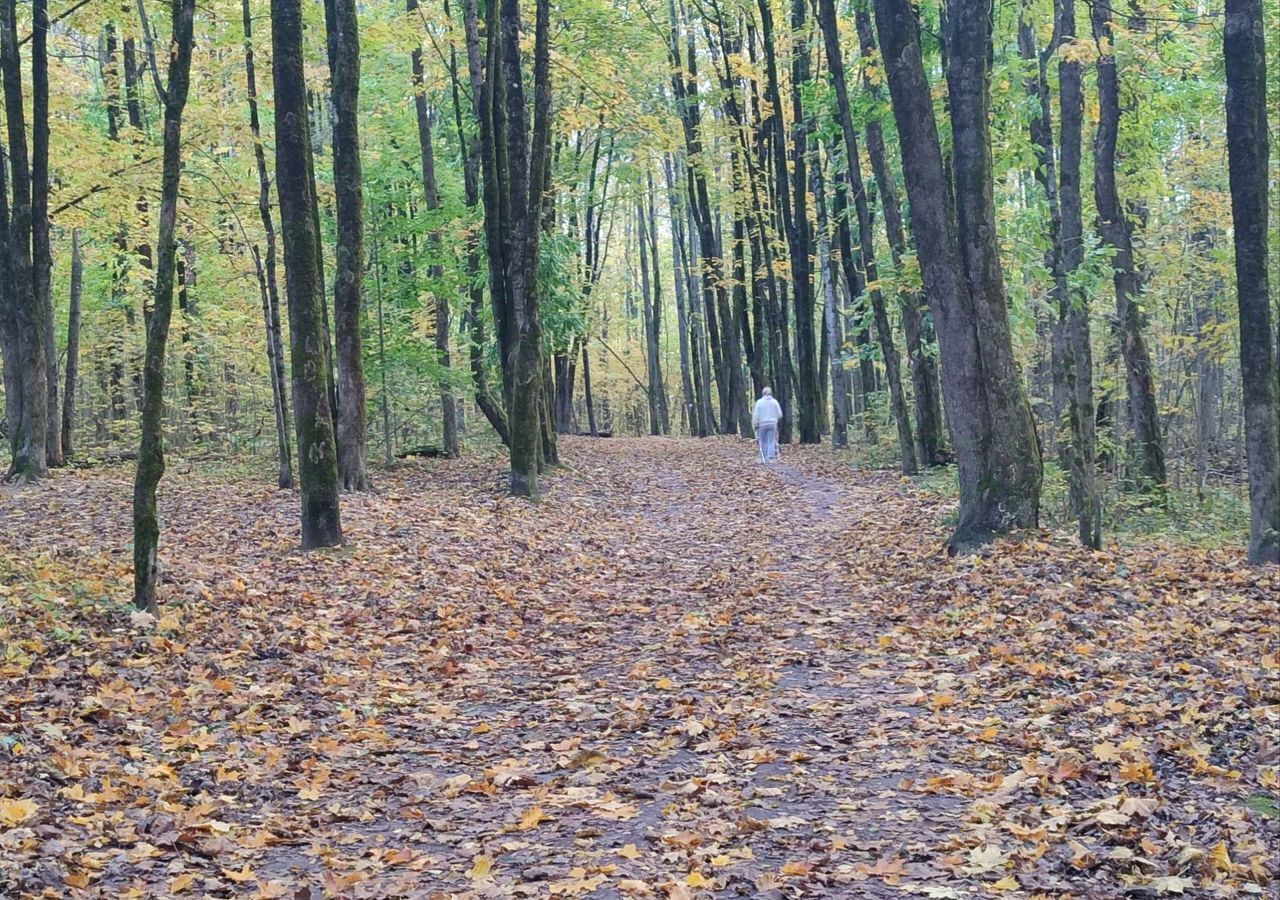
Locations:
(767, 412)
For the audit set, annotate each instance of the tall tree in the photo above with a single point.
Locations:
(468, 148)
(1058, 173)
(793, 208)
(146, 522)
(268, 266)
(29, 408)
(514, 168)
(343, 33)
(998, 460)
(1074, 313)
(918, 329)
(41, 248)
(1248, 158)
(431, 197)
(1116, 231)
(304, 286)
(853, 163)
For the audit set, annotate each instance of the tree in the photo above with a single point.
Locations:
(1072, 353)
(267, 268)
(342, 29)
(41, 249)
(998, 459)
(431, 195)
(514, 168)
(1116, 231)
(304, 285)
(793, 207)
(853, 164)
(26, 357)
(927, 394)
(146, 522)
(1248, 155)
(73, 345)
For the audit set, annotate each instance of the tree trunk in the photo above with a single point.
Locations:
(831, 320)
(146, 523)
(930, 449)
(317, 454)
(988, 415)
(793, 205)
(1248, 156)
(73, 346)
(29, 414)
(269, 279)
(678, 280)
(449, 417)
(1115, 230)
(41, 251)
(664, 411)
(388, 451)
(853, 163)
(490, 406)
(342, 30)
(1075, 312)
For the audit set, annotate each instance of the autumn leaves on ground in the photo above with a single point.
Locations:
(681, 675)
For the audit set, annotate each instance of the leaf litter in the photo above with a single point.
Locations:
(680, 675)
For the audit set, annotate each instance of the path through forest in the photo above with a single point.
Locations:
(681, 673)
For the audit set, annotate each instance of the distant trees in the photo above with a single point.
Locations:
(758, 193)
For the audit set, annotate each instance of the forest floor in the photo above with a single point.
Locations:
(682, 674)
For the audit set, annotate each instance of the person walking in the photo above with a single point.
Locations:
(764, 419)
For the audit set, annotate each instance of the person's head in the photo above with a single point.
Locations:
(767, 392)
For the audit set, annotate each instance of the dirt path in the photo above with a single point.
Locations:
(682, 672)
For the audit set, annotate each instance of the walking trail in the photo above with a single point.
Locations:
(681, 674)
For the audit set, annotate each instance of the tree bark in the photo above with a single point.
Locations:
(998, 459)
(431, 193)
(1248, 157)
(146, 523)
(853, 163)
(489, 405)
(269, 277)
(73, 346)
(317, 454)
(29, 416)
(342, 29)
(918, 328)
(1075, 312)
(793, 203)
(1115, 230)
(41, 250)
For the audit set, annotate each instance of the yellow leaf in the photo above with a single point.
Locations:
(797, 868)
(695, 879)
(1007, 883)
(180, 883)
(480, 867)
(722, 860)
(15, 812)
(629, 852)
(244, 875)
(664, 684)
(531, 818)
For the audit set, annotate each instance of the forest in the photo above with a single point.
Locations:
(381, 513)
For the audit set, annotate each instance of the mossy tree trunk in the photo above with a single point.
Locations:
(313, 420)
